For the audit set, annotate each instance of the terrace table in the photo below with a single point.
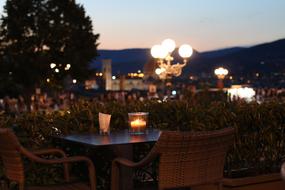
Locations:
(120, 142)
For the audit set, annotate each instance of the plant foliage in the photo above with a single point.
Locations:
(36, 33)
(258, 147)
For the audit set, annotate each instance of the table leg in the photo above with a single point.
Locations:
(126, 174)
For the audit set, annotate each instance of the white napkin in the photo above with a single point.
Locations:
(104, 122)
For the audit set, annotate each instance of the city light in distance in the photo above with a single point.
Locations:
(74, 81)
(246, 93)
(136, 75)
(67, 67)
(52, 65)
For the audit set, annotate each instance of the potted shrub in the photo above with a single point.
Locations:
(253, 161)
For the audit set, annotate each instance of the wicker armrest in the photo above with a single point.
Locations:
(36, 158)
(59, 152)
(50, 151)
(127, 163)
(65, 160)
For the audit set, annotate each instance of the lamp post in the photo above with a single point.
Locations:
(162, 53)
(221, 73)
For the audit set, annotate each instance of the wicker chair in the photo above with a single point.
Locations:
(185, 159)
(11, 152)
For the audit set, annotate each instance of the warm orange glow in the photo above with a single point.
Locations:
(138, 123)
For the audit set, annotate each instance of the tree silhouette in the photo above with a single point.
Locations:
(36, 33)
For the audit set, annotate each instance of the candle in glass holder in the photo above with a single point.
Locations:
(138, 122)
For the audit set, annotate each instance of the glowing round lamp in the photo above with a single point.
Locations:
(221, 71)
(158, 71)
(169, 45)
(155, 51)
(162, 52)
(226, 72)
(185, 51)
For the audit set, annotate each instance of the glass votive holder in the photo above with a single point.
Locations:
(138, 122)
(104, 123)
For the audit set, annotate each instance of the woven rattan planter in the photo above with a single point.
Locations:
(262, 182)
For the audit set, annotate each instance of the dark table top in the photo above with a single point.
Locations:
(115, 138)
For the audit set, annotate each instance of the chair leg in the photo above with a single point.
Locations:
(21, 186)
(220, 186)
(3, 185)
(115, 182)
(66, 172)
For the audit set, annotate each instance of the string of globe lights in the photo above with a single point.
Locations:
(163, 54)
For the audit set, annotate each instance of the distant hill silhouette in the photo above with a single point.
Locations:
(267, 57)
(220, 52)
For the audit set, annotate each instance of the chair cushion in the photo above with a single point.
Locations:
(69, 186)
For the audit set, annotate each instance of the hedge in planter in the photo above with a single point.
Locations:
(258, 148)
